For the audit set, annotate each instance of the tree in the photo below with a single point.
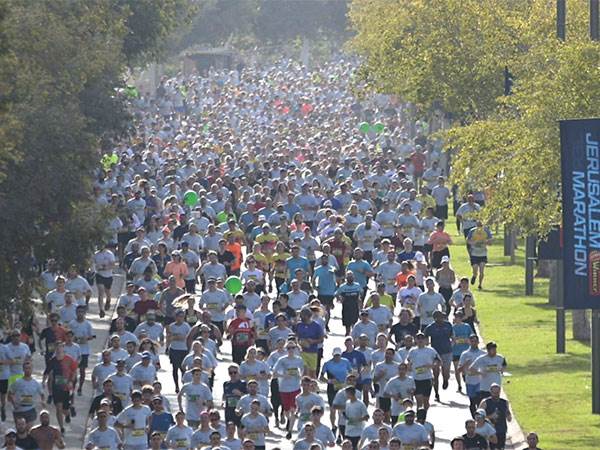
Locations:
(453, 53)
(61, 62)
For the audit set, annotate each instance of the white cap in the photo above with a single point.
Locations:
(337, 351)
(445, 259)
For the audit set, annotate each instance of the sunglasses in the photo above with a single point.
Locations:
(232, 373)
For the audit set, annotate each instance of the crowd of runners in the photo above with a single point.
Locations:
(254, 210)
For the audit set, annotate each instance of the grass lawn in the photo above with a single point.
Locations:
(550, 393)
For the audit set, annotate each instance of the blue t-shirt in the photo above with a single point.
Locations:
(406, 256)
(359, 268)
(311, 330)
(161, 422)
(294, 263)
(461, 338)
(356, 358)
(349, 292)
(326, 280)
(337, 370)
(291, 209)
(270, 321)
(439, 336)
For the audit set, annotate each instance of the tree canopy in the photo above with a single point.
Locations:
(61, 62)
(452, 54)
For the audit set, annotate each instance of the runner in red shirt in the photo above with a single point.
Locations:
(62, 372)
(242, 334)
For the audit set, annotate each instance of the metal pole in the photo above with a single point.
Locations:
(529, 263)
(594, 20)
(561, 15)
(560, 309)
(596, 361)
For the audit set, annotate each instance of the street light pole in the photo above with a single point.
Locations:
(561, 16)
(594, 20)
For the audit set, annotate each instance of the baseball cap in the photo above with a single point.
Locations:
(146, 354)
(480, 412)
(10, 431)
(445, 259)
(337, 351)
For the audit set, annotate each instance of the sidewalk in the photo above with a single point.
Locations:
(77, 429)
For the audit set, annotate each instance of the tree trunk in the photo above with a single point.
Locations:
(544, 268)
(581, 325)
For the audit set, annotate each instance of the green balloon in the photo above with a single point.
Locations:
(364, 127)
(222, 217)
(190, 198)
(233, 285)
(379, 127)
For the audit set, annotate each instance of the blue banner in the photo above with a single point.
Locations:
(580, 162)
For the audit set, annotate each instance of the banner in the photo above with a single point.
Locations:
(580, 162)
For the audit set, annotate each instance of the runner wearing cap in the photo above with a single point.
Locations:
(411, 433)
(144, 372)
(133, 421)
(45, 434)
(104, 436)
(485, 428)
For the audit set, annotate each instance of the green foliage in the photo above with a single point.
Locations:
(60, 64)
(148, 23)
(453, 53)
(249, 22)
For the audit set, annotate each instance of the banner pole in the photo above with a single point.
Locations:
(596, 361)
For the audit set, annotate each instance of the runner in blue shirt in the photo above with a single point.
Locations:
(325, 283)
(462, 331)
(349, 294)
(296, 262)
(361, 269)
(334, 373)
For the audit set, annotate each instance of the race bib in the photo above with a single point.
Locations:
(26, 400)
(242, 337)
(253, 436)
(421, 370)
(213, 306)
(232, 402)
(138, 432)
(292, 372)
(51, 347)
(492, 368)
(181, 443)
(305, 417)
(193, 398)
(461, 340)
